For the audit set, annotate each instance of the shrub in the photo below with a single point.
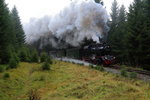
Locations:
(46, 66)
(81, 64)
(42, 78)
(91, 66)
(12, 63)
(133, 75)
(100, 68)
(34, 56)
(34, 95)
(23, 55)
(15, 56)
(49, 60)
(43, 56)
(1, 68)
(124, 72)
(6, 75)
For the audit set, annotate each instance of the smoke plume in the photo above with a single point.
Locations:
(79, 20)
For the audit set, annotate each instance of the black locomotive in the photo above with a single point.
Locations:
(96, 53)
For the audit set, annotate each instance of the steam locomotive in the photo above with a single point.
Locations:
(96, 53)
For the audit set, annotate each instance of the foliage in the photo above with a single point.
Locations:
(100, 68)
(6, 75)
(11, 33)
(46, 66)
(116, 37)
(49, 60)
(124, 72)
(1, 68)
(6, 35)
(129, 33)
(15, 56)
(34, 56)
(133, 75)
(24, 54)
(13, 63)
(91, 66)
(136, 37)
(19, 33)
(44, 56)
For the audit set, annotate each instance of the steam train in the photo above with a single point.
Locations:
(96, 53)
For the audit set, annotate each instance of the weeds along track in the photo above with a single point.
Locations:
(142, 74)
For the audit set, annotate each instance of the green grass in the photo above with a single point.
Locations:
(66, 81)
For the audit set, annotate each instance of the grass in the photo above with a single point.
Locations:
(66, 81)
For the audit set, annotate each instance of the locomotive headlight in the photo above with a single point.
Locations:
(101, 47)
(105, 57)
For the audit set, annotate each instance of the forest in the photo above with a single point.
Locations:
(13, 48)
(128, 35)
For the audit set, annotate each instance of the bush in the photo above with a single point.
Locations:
(124, 72)
(23, 55)
(1, 68)
(91, 66)
(46, 66)
(133, 75)
(81, 64)
(100, 68)
(49, 60)
(12, 63)
(34, 56)
(6, 75)
(43, 56)
(14, 55)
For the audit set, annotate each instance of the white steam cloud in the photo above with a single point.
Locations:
(79, 20)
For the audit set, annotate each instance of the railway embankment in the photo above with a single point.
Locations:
(142, 75)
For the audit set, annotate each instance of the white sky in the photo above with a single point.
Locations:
(37, 8)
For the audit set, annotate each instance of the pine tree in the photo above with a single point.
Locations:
(120, 46)
(113, 35)
(6, 35)
(147, 32)
(137, 39)
(113, 22)
(20, 35)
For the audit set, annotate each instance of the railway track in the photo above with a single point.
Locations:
(144, 72)
(139, 71)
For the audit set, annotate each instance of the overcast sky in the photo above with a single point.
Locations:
(37, 8)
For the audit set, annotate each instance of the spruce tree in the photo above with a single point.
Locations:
(147, 32)
(137, 38)
(20, 35)
(119, 44)
(113, 38)
(6, 35)
(113, 23)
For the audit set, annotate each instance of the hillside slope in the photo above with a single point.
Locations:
(68, 81)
